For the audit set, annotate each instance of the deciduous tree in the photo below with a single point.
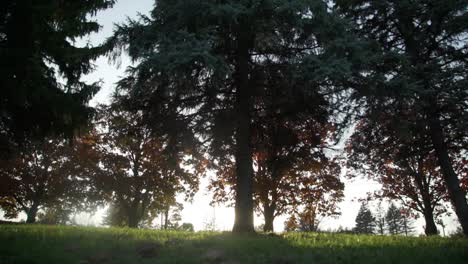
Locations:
(421, 77)
(139, 169)
(44, 175)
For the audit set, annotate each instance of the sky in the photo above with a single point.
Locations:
(199, 212)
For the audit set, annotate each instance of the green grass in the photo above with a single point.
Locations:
(84, 245)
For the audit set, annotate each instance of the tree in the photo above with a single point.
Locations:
(405, 166)
(422, 71)
(307, 220)
(291, 223)
(170, 216)
(139, 170)
(380, 219)
(291, 170)
(41, 68)
(201, 58)
(115, 216)
(186, 227)
(56, 215)
(365, 221)
(408, 223)
(394, 220)
(46, 175)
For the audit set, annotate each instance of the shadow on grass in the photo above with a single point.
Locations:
(48, 244)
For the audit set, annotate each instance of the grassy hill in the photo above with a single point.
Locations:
(84, 245)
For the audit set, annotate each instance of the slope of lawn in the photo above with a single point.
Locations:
(85, 245)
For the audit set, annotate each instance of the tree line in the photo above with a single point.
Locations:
(257, 91)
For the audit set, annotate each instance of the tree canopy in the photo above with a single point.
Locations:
(42, 65)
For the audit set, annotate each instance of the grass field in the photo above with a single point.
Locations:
(84, 245)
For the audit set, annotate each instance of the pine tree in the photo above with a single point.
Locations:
(408, 223)
(423, 71)
(365, 221)
(201, 64)
(394, 220)
(380, 219)
(41, 67)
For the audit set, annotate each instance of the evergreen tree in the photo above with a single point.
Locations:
(423, 71)
(365, 221)
(395, 220)
(380, 219)
(41, 67)
(408, 223)
(201, 64)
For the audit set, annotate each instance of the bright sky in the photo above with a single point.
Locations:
(199, 211)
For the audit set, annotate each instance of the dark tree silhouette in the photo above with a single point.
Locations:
(139, 170)
(41, 67)
(405, 165)
(202, 59)
(423, 71)
(365, 221)
(46, 175)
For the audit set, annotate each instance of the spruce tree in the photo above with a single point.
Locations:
(395, 220)
(41, 67)
(365, 221)
(201, 64)
(408, 223)
(422, 71)
(380, 219)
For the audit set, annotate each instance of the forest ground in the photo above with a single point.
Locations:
(21, 244)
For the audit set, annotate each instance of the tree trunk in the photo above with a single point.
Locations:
(456, 194)
(31, 214)
(166, 218)
(268, 214)
(431, 228)
(428, 212)
(133, 218)
(243, 222)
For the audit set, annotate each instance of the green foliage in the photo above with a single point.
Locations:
(365, 221)
(415, 92)
(42, 90)
(56, 215)
(51, 175)
(50, 244)
(137, 169)
(186, 227)
(219, 67)
(397, 221)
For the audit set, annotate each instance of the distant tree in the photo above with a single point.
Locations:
(170, 215)
(419, 85)
(408, 223)
(56, 215)
(395, 220)
(291, 223)
(186, 227)
(41, 65)
(380, 218)
(399, 221)
(309, 219)
(442, 224)
(365, 221)
(209, 223)
(140, 170)
(46, 175)
(115, 216)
